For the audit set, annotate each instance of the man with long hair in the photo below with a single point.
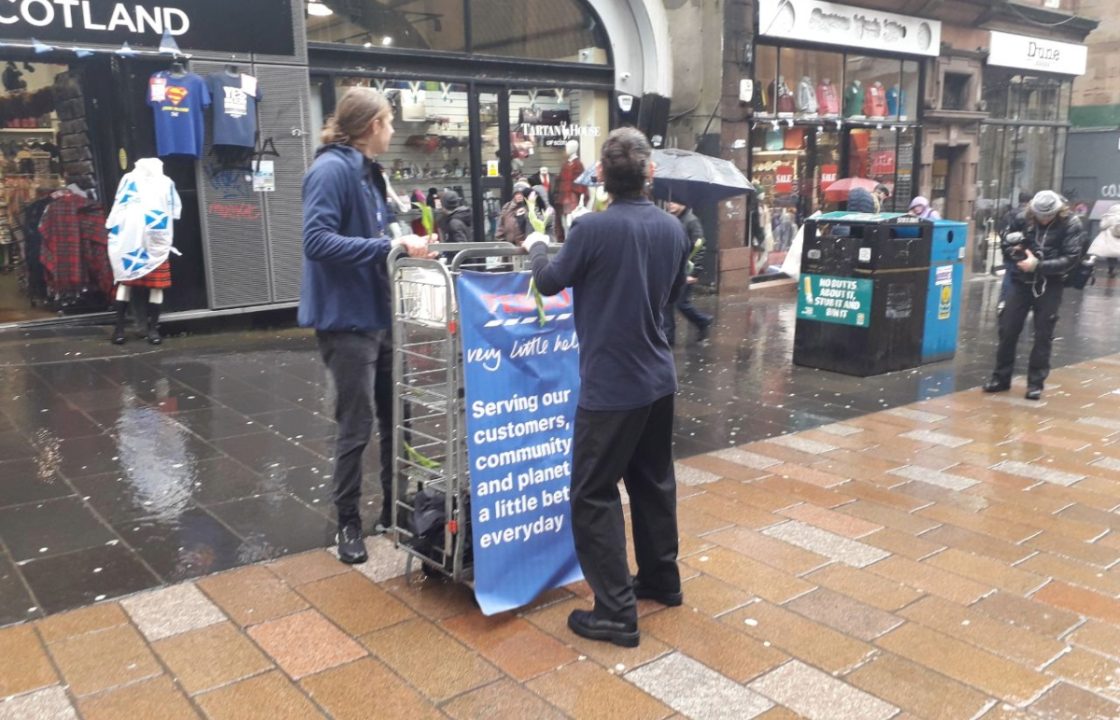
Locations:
(345, 295)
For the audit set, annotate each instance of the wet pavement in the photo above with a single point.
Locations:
(956, 558)
(126, 468)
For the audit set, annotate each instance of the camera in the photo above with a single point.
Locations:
(1013, 247)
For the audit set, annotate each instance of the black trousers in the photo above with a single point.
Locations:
(694, 316)
(635, 445)
(1020, 301)
(361, 364)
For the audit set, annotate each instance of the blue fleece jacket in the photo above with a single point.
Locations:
(345, 243)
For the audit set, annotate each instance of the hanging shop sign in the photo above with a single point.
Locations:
(197, 25)
(1019, 51)
(835, 24)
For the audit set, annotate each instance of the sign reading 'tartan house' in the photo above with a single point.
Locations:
(1020, 51)
(261, 26)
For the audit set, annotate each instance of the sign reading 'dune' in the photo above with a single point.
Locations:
(836, 24)
(844, 301)
(1019, 51)
(522, 386)
(242, 26)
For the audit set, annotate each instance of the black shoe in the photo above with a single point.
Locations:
(1034, 392)
(994, 385)
(585, 624)
(153, 324)
(702, 335)
(121, 310)
(351, 548)
(668, 599)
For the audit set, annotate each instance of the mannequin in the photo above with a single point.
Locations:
(568, 191)
(544, 179)
(806, 97)
(785, 97)
(141, 232)
(896, 101)
(875, 100)
(828, 102)
(853, 99)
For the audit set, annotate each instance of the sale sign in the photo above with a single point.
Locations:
(783, 179)
(829, 175)
(882, 163)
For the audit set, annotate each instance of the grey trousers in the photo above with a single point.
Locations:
(361, 365)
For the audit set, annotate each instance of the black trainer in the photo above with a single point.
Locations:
(1034, 392)
(351, 548)
(994, 385)
(668, 599)
(585, 624)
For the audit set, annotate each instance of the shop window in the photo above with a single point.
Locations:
(1013, 96)
(556, 136)
(956, 90)
(765, 77)
(908, 99)
(430, 151)
(562, 30)
(873, 87)
(873, 154)
(414, 24)
(812, 80)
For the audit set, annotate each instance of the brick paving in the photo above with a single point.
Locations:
(948, 560)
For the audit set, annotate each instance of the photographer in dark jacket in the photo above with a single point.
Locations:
(1048, 248)
(695, 232)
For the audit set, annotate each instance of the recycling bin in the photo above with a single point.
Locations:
(861, 299)
(948, 246)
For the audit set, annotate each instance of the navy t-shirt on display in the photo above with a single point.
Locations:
(179, 104)
(235, 108)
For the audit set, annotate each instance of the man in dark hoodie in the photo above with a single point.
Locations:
(345, 295)
(455, 220)
(695, 232)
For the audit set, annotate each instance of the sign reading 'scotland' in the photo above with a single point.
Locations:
(522, 386)
(241, 26)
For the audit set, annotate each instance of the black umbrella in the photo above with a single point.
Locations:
(693, 179)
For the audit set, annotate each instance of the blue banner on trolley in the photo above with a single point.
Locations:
(522, 385)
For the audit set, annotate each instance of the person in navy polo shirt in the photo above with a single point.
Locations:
(626, 267)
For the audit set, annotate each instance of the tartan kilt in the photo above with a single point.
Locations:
(158, 278)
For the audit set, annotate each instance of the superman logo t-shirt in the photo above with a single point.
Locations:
(178, 104)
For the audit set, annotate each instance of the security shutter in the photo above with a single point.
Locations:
(233, 225)
(284, 120)
(299, 28)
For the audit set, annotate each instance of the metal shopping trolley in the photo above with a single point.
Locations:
(431, 493)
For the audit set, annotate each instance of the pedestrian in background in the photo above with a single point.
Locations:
(1107, 243)
(695, 232)
(1050, 247)
(345, 295)
(513, 223)
(626, 268)
(920, 207)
